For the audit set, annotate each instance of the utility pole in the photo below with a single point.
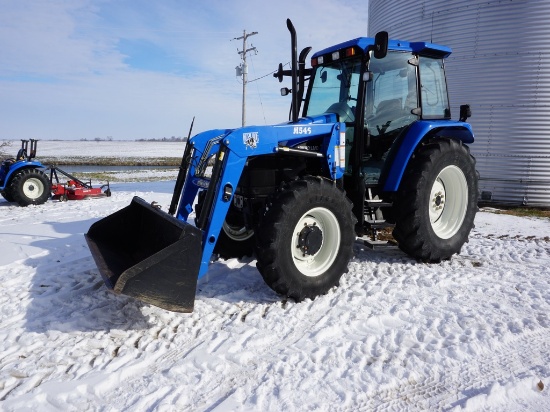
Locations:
(242, 70)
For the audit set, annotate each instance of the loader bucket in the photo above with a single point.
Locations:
(145, 253)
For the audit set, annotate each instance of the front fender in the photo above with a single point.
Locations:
(404, 146)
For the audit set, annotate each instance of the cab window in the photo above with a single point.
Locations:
(391, 94)
(435, 101)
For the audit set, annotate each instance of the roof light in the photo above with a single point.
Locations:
(320, 60)
(314, 62)
(350, 52)
(335, 55)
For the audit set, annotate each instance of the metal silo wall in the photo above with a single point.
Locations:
(500, 65)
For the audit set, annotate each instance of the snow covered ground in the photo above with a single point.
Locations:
(472, 333)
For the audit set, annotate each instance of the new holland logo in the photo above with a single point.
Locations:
(251, 139)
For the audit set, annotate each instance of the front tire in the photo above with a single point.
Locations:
(305, 239)
(235, 239)
(437, 201)
(30, 187)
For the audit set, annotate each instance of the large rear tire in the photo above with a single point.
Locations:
(305, 239)
(437, 201)
(6, 194)
(30, 187)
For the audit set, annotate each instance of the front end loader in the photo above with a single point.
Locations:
(375, 147)
(146, 253)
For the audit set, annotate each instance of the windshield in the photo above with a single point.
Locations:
(334, 90)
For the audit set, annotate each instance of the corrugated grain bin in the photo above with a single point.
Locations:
(500, 65)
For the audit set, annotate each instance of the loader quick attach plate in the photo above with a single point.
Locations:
(145, 253)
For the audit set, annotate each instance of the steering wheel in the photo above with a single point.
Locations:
(382, 122)
(344, 112)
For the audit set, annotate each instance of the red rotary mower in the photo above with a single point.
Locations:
(74, 189)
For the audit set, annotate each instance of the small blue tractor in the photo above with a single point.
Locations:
(374, 147)
(22, 179)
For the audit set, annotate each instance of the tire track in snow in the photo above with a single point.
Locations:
(232, 333)
(452, 387)
(242, 370)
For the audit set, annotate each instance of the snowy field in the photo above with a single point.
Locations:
(89, 150)
(120, 148)
(472, 333)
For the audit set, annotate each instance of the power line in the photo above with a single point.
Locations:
(258, 90)
(268, 74)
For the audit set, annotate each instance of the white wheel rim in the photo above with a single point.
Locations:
(33, 188)
(319, 262)
(239, 234)
(448, 202)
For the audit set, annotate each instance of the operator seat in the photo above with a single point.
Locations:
(21, 155)
(388, 110)
(380, 143)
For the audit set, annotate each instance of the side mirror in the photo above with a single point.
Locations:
(285, 91)
(279, 74)
(465, 112)
(381, 44)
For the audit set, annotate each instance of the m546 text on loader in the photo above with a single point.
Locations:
(375, 146)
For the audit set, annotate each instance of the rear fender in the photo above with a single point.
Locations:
(18, 166)
(405, 146)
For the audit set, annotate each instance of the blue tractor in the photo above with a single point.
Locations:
(22, 179)
(374, 147)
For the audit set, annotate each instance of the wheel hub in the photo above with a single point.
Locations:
(33, 188)
(310, 239)
(448, 202)
(316, 241)
(437, 201)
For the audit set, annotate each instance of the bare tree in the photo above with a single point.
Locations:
(3, 148)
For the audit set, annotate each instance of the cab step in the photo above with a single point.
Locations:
(376, 244)
(376, 203)
(378, 225)
(374, 221)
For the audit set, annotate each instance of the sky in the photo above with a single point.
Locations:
(140, 69)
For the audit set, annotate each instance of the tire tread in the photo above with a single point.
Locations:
(411, 230)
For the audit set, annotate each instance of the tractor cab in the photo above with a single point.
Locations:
(377, 98)
(380, 89)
